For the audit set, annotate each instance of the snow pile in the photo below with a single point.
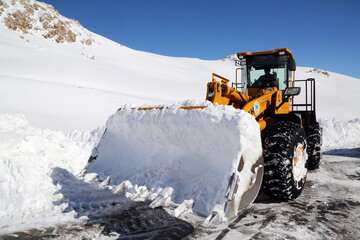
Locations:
(192, 151)
(27, 157)
(340, 134)
(42, 182)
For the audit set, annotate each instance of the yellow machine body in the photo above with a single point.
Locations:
(262, 102)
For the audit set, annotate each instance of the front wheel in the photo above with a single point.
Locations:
(285, 156)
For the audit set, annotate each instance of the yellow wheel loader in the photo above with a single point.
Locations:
(291, 135)
(250, 133)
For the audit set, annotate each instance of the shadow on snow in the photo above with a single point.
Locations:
(116, 213)
(344, 152)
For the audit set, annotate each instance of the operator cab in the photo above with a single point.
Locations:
(267, 69)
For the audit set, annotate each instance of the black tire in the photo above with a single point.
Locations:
(314, 147)
(279, 144)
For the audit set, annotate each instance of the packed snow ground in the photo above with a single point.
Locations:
(329, 208)
(67, 90)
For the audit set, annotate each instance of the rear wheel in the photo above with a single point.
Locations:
(285, 156)
(314, 147)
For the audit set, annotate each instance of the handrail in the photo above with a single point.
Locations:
(310, 104)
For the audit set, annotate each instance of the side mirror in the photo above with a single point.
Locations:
(292, 91)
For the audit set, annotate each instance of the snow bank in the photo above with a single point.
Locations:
(27, 157)
(340, 134)
(193, 151)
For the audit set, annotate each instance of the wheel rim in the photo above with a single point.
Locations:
(299, 164)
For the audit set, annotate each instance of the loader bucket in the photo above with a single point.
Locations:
(211, 154)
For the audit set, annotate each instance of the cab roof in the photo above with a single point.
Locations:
(274, 52)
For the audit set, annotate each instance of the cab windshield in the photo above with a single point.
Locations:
(267, 77)
(267, 71)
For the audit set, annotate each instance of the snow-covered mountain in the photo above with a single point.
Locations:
(58, 75)
(70, 84)
(78, 85)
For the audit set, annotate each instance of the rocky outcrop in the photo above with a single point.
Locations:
(32, 17)
(319, 71)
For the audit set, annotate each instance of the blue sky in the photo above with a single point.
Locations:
(321, 33)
